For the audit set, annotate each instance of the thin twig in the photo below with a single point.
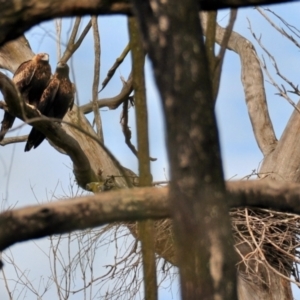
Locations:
(282, 91)
(280, 30)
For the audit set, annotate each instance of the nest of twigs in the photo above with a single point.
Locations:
(267, 241)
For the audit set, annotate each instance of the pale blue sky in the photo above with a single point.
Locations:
(37, 175)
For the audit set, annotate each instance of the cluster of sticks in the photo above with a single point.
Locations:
(267, 240)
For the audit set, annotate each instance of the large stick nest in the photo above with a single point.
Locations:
(267, 241)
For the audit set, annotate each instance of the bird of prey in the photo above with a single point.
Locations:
(56, 99)
(31, 78)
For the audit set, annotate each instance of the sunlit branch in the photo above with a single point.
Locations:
(253, 84)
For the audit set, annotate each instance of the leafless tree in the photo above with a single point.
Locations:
(197, 199)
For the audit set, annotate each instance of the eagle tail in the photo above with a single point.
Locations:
(7, 123)
(35, 138)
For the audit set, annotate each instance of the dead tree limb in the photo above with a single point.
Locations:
(253, 83)
(62, 216)
(18, 16)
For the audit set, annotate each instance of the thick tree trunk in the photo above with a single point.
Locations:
(174, 42)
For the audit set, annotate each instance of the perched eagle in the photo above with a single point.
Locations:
(56, 99)
(31, 78)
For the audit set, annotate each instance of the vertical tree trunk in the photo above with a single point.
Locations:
(206, 258)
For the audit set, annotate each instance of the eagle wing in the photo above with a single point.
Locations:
(36, 137)
(24, 74)
(48, 96)
(22, 78)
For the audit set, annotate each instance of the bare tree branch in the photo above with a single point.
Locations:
(125, 128)
(253, 83)
(115, 66)
(72, 44)
(169, 30)
(130, 205)
(58, 28)
(97, 51)
(280, 30)
(15, 52)
(13, 140)
(282, 91)
(216, 62)
(146, 227)
(217, 4)
(17, 17)
(78, 213)
(114, 102)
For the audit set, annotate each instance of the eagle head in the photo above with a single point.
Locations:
(43, 56)
(62, 68)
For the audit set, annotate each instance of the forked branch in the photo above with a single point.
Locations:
(252, 80)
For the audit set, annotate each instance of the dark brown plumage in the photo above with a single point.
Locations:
(56, 99)
(31, 78)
